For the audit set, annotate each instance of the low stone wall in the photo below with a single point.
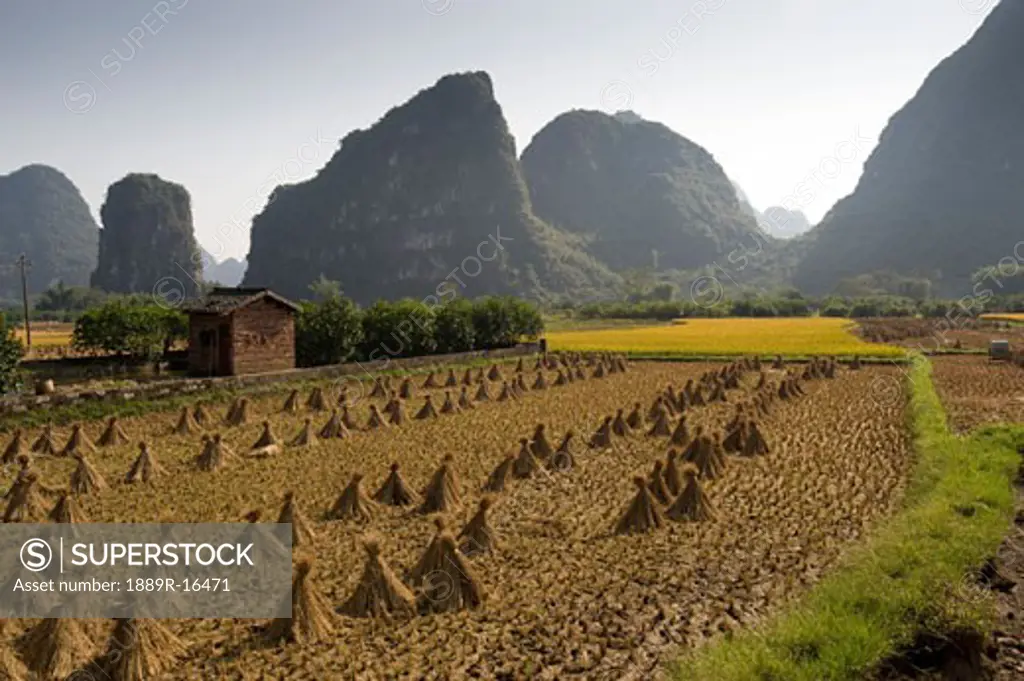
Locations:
(184, 386)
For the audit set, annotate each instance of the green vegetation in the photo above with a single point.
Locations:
(335, 329)
(61, 298)
(327, 332)
(11, 352)
(130, 329)
(907, 580)
(782, 304)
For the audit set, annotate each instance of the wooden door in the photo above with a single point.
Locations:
(224, 350)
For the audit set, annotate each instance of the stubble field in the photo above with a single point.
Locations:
(565, 597)
(977, 391)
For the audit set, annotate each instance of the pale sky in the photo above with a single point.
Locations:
(223, 96)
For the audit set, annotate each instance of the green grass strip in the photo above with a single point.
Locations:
(906, 579)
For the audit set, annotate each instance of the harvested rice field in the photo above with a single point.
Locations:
(796, 337)
(977, 391)
(815, 463)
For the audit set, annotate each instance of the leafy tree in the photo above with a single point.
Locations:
(663, 292)
(835, 307)
(325, 289)
(69, 298)
(754, 306)
(11, 352)
(122, 328)
(403, 328)
(501, 322)
(527, 321)
(866, 307)
(327, 332)
(453, 327)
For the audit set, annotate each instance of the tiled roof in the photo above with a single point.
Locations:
(224, 300)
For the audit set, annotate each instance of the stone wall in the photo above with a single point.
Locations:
(173, 387)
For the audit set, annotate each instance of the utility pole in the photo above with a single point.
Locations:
(25, 264)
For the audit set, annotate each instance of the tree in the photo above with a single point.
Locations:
(325, 289)
(662, 292)
(11, 352)
(69, 298)
(124, 328)
(835, 307)
(501, 322)
(404, 328)
(327, 332)
(453, 327)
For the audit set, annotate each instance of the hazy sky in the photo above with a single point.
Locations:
(223, 96)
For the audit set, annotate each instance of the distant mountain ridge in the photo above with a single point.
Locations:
(635, 192)
(228, 272)
(43, 214)
(776, 220)
(428, 201)
(940, 195)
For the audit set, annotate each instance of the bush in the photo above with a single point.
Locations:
(527, 321)
(327, 332)
(754, 307)
(453, 327)
(865, 308)
(11, 352)
(835, 308)
(501, 322)
(404, 328)
(125, 328)
(61, 298)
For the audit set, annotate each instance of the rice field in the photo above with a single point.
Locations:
(596, 561)
(977, 391)
(796, 337)
(48, 334)
(1016, 317)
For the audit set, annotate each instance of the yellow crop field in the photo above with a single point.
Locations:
(47, 337)
(1004, 317)
(722, 337)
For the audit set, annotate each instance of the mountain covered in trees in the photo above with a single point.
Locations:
(428, 201)
(43, 215)
(941, 194)
(635, 192)
(147, 243)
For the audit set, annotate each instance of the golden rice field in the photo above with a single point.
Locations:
(725, 337)
(48, 335)
(1004, 317)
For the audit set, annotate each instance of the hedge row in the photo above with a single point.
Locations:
(336, 330)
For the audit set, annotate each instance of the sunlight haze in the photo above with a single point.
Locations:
(228, 97)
